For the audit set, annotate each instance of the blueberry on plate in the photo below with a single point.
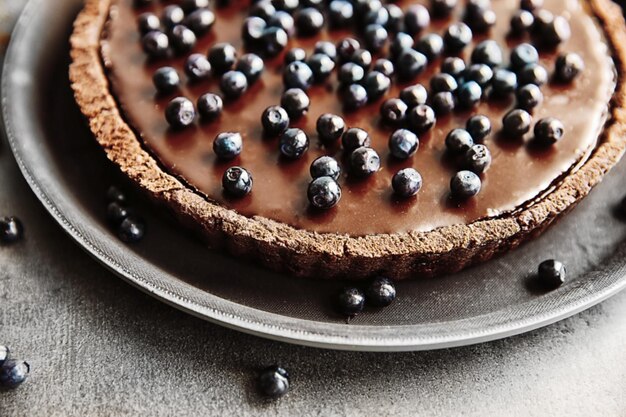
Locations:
(263, 9)
(406, 182)
(443, 82)
(375, 37)
(516, 123)
(350, 73)
(400, 43)
(324, 193)
(459, 141)
(453, 65)
(227, 145)
(354, 96)
(273, 382)
(381, 292)
(376, 84)
(524, 54)
(298, 75)
(410, 64)
(431, 45)
(443, 103)
(549, 131)
(147, 22)
(478, 159)
(197, 67)
(200, 21)
(273, 41)
(403, 143)
(521, 22)
(156, 44)
(551, 273)
(487, 52)
(172, 15)
(295, 102)
(251, 65)
(180, 113)
(384, 66)
(325, 166)
(166, 80)
(350, 301)
(469, 94)
(362, 57)
(479, 127)
(11, 229)
(340, 13)
(222, 57)
(504, 82)
(233, 84)
(421, 118)
(13, 373)
(330, 127)
(395, 23)
(309, 21)
(346, 48)
(210, 106)
(182, 39)
(532, 74)
(327, 48)
(416, 19)
(354, 138)
(529, 97)
(131, 230)
(237, 181)
(117, 213)
(295, 54)
(393, 111)
(252, 30)
(364, 162)
(568, 66)
(4, 354)
(481, 73)
(322, 66)
(465, 184)
(555, 32)
(414, 95)
(480, 19)
(275, 120)
(442, 8)
(293, 143)
(456, 37)
(284, 21)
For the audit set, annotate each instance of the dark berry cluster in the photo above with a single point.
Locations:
(11, 230)
(380, 292)
(130, 227)
(12, 372)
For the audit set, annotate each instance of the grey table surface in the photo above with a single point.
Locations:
(98, 346)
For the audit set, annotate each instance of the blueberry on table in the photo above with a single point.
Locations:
(478, 159)
(251, 65)
(147, 22)
(362, 57)
(227, 145)
(172, 15)
(237, 181)
(275, 120)
(355, 138)
(322, 65)
(309, 21)
(210, 106)
(395, 23)
(264, 9)
(325, 166)
(11, 229)
(414, 95)
(481, 73)
(293, 143)
(524, 54)
(273, 41)
(116, 213)
(197, 67)
(416, 19)
(330, 127)
(233, 84)
(376, 84)
(431, 45)
(377, 15)
(13, 373)
(400, 43)
(381, 292)
(442, 8)
(479, 127)
(350, 301)
(283, 21)
(4, 354)
(529, 97)
(487, 52)
(465, 184)
(222, 57)
(384, 66)
(346, 48)
(298, 75)
(443, 82)
(252, 30)
(453, 65)
(403, 143)
(410, 64)
(200, 21)
(354, 96)
(273, 382)
(156, 44)
(131, 230)
(295, 54)
(327, 48)
(521, 22)
(516, 123)
(443, 103)
(350, 73)
(180, 113)
(340, 13)
(296, 102)
(549, 131)
(456, 37)
(459, 141)
(182, 39)
(421, 118)
(480, 19)
(393, 111)
(568, 66)
(469, 94)
(364, 162)
(166, 80)
(375, 37)
(324, 193)
(551, 273)
(191, 5)
(503, 83)
(406, 182)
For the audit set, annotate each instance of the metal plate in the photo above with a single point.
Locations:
(70, 174)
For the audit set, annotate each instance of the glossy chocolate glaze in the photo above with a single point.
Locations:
(519, 173)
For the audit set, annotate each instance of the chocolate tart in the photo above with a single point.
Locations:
(369, 231)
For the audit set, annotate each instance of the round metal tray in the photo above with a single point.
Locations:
(70, 174)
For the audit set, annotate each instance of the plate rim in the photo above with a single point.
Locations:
(496, 325)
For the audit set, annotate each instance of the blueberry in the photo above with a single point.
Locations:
(340, 13)
(393, 111)
(414, 95)
(354, 96)
(180, 113)
(362, 57)
(376, 84)
(4, 354)
(233, 84)
(116, 213)
(197, 67)
(11, 229)
(222, 57)
(155, 44)
(295, 102)
(443, 82)
(431, 45)
(273, 41)
(273, 382)
(378, 17)
(131, 230)
(346, 48)
(13, 373)
(410, 64)
(147, 22)
(326, 48)
(321, 65)
(524, 54)
(227, 145)
(401, 42)
(364, 162)
(251, 65)
(421, 118)
(309, 21)
(504, 82)
(237, 181)
(295, 54)
(263, 9)
(325, 166)
(191, 5)
(549, 131)
(568, 66)
(275, 120)
(403, 143)
(443, 103)
(532, 74)
(481, 73)
(487, 52)
(166, 80)
(115, 194)
(252, 30)
(551, 273)
(200, 21)
(375, 36)
(521, 22)
(457, 37)
(542, 18)
(210, 106)
(350, 73)
(384, 66)
(298, 75)
(465, 184)
(479, 127)
(416, 19)
(459, 141)
(286, 5)
(282, 20)
(182, 39)
(355, 138)
(293, 143)
(406, 182)
(516, 123)
(478, 159)
(555, 32)
(395, 23)
(364, 7)
(529, 97)
(324, 193)
(330, 127)
(480, 19)
(469, 94)
(381, 292)
(172, 15)
(350, 301)
(531, 5)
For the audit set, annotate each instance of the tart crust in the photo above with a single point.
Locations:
(328, 255)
